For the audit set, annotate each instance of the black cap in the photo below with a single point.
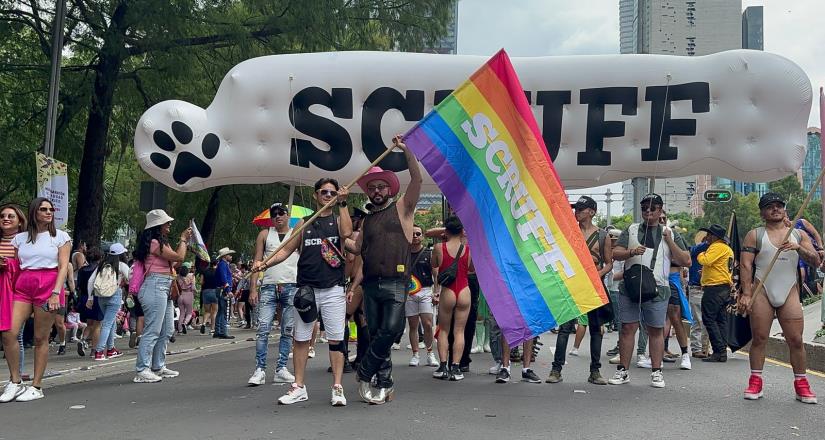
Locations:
(277, 207)
(653, 198)
(584, 202)
(716, 230)
(769, 198)
(304, 303)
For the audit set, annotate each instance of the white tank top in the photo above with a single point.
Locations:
(782, 278)
(661, 270)
(287, 271)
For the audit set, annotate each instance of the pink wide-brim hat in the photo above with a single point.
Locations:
(376, 173)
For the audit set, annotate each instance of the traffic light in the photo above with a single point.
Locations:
(717, 195)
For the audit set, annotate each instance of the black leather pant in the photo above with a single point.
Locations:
(384, 308)
(569, 328)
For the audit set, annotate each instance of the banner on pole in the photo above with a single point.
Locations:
(53, 184)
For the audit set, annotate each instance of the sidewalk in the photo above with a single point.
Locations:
(71, 368)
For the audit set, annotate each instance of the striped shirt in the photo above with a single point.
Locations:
(6, 248)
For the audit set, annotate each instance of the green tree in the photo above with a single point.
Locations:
(747, 213)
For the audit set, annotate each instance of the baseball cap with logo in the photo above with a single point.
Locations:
(584, 202)
(769, 198)
(304, 303)
(652, 198)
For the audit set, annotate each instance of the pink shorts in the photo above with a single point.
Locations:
(34, 286)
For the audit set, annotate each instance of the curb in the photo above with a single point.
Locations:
(815, 353)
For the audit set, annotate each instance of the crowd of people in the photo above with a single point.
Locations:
(370, 270)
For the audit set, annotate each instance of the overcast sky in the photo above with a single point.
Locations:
(793, 29)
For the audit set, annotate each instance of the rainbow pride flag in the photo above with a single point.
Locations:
(483, 148)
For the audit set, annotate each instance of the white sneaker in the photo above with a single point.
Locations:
(657, 379)
(477, 349)
(487, 348)
(414, 360)
(294, 395)
(146, 376)
(396, 346)
(574, 352)
(685, 364)
(165, 372)
(431, 360)
(311, 352)
(282, 375)
(409, 347)
(620, 377)
(31, 393)
(11, 391)
(643, 362)
(615, 360)
(495, 368)
(422, 345)
(258, 378)
(338, 398)
(322, 340)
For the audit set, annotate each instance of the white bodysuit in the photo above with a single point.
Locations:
(783, 276)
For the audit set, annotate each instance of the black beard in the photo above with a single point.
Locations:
(377, 204)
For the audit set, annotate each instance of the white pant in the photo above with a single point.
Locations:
(421, 302)
(332, 307)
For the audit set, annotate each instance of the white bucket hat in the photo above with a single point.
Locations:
(157, 217)
(117, 249)
(224, 252)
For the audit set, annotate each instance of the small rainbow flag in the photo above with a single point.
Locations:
(196, 245)
(483, 148)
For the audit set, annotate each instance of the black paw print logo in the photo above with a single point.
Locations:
(187, 165)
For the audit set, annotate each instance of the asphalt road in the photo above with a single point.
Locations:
(210, 400)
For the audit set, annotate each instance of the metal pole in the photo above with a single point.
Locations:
(54, 81)
(607, 195)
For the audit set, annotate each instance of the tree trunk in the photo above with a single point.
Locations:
(210, 220)
(88, 221)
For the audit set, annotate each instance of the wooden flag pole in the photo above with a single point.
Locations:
(297, 232)
(761, 282)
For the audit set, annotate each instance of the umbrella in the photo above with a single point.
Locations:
(298, 212)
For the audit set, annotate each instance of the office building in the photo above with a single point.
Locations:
(752, 28)
(813, 162)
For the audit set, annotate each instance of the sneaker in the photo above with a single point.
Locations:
(685, 364)
(100, 356)
(322, 340)
(716, 357)
(456, 374)
(82, 346)
(409, 347)
(554, 377)
(294, 395)
(573, 352)
(338, 398)
(422, 345)
(113, 353)
(754, 390)
(61, 350)
(146, 376)
(620, 377)
(396, 346)
(258, 378)
(431, 360)
(613, 351)
(615, 360)
(527, 375)
(487, 348)
(644, 362)
(311, 353)
(32, 393)
(657, 379)
(282, 375)
(165, 372)
(414, 360)
(671, 357)
(596, 378)
(503, 375)
(11, 391)
(495, 368)
(132, 339)
(801, 386)
(477, 349)
(441, 373)
(203, 329)
(699, 354)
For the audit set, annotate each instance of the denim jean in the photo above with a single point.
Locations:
(270, 296)
(384, 307)
(222, 319)
(110, 306)
(568, 328)
(158, 327)
(495, 338)
(614, 302)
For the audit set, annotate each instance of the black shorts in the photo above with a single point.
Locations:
(244, 296)
(674, 299)
(95, 313)
(137, 310)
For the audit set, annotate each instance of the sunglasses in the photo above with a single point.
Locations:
(416, 234)
(328, 192)
(11, 216)
(372, 188)
(45, 209)
(279, 213)
(650, 208)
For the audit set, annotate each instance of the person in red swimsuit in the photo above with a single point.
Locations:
(455, 303)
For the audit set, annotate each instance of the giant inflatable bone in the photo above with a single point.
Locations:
(294, 118)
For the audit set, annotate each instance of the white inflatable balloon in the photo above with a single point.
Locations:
(295, 118)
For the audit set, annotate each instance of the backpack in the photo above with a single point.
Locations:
(106, 283)
(136, 277)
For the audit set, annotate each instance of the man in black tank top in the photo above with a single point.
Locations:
(384, 244)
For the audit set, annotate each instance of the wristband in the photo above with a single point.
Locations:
(342, 203)
(55, 293)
